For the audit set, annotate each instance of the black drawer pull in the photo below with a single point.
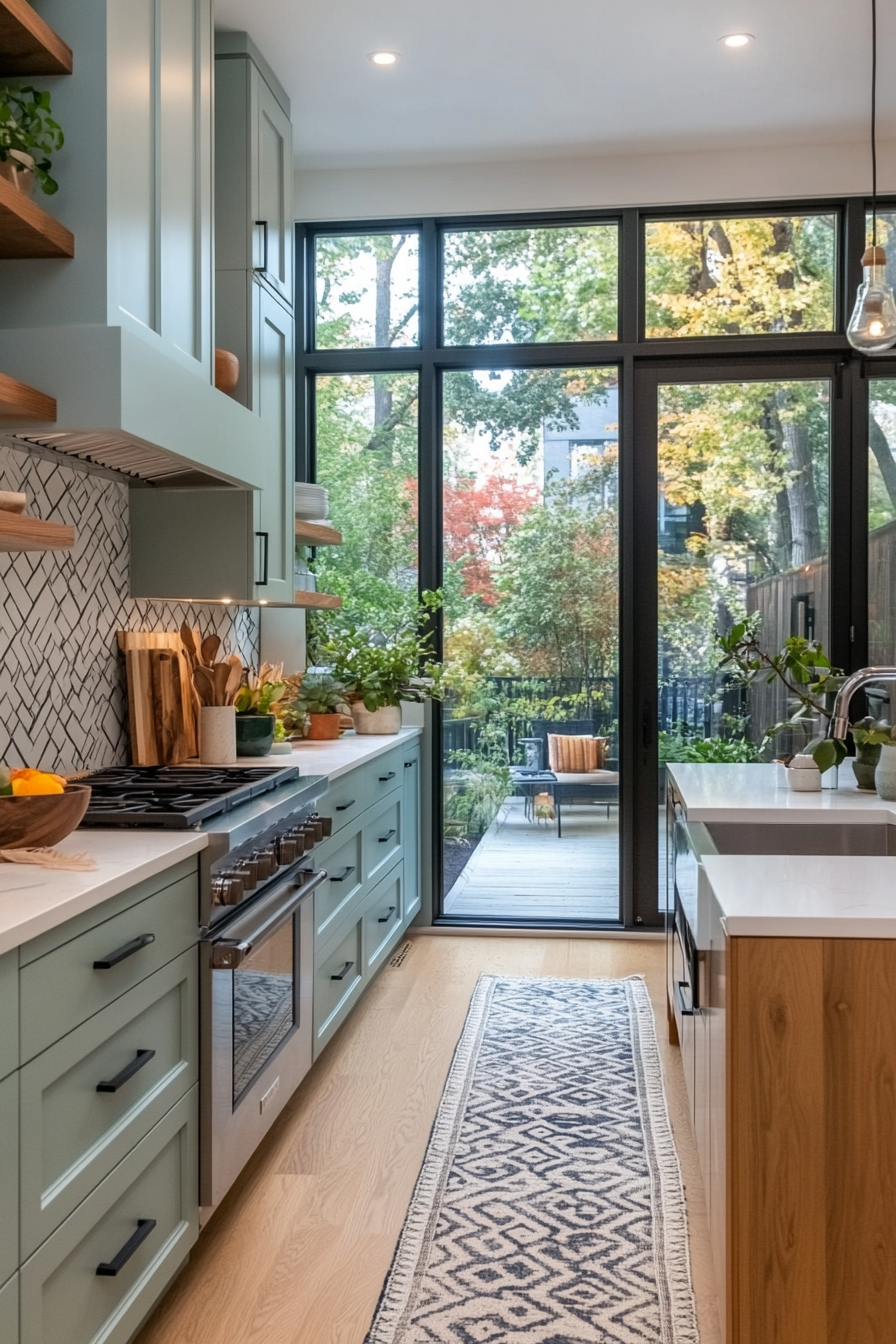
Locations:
(108, 1270)
(113, 1084)
(122, 953)
(342, 876)
(685, 1007)
(384, 839)
(409, 765)
(344, 972)
(344, 807)
(384, 779)
(384, 919)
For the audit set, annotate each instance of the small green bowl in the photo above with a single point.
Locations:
(254, 734)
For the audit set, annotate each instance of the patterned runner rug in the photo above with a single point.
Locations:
(549, 1208)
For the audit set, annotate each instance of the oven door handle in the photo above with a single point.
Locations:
(229, 953)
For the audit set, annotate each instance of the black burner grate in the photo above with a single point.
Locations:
(175, 797)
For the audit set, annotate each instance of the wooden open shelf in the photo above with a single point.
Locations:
(28, 45)
(20, 533)
(26, 231)
(21, 402)
(323, 601)
(317, 534)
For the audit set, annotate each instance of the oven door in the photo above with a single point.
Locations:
(257, 977)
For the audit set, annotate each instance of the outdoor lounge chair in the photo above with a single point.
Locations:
(599, 784)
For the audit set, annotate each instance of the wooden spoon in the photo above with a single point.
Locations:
(204, 681)
(210, 646)
(221, 673)
(190, 641)
(234, 677)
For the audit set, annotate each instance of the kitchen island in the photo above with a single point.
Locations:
(782, 981)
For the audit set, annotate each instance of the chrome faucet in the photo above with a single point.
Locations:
(838, 726)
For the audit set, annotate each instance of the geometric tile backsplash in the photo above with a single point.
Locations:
(63, 704)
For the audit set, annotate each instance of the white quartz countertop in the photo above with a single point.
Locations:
(804, 897)
(753, 793)
(33, 900)
(338, 757)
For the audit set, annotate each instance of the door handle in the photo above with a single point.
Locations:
(344, 972)
(384, 839)
(263, 225)
(685, 1006)
(108, 1269)
(342, 876)
(122, 953)
(113, 1084)
(384, 919)
(265, 540)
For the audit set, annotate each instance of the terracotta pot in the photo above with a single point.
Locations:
(323, 727)
(20, 174)
(30, 821)
(227, 370)
(382, 722)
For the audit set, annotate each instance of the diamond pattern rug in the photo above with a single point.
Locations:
(550, 1207)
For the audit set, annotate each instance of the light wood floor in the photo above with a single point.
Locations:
(298, 1252)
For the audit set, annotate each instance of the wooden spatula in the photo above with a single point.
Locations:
(210, 646)
(234, 677)
(204, 681)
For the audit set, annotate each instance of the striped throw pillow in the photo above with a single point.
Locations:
(575, 755)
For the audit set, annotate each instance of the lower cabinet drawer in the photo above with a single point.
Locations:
(382, 837)
(333, 900)
(101, 1272)
(9, 1311)
(9, 1178)
(346, 798)
(9, 1013)
(68, 985)
(383, 917)
(338, 979)
(91, 1097)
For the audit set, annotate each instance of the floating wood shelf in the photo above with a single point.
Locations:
(28, 45)
(26, 231)
(321, 600)
(21, 402)
(19, 533)
(317, 534)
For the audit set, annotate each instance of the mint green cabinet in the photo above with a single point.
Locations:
(9, 1177)
(142, 1219)
(382, 838)
(411, 821)
(9, 1013)
(383, 919)
(89, 1099)
(338, 981)
(341, 857)
(9, 1311)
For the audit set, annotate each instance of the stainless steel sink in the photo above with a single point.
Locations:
(733, 837)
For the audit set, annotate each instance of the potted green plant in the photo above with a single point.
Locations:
(379, 670)
(320, 698)
(869, 735)
(28, 136)
(255, 717)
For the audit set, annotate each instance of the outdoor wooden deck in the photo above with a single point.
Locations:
(520, 870)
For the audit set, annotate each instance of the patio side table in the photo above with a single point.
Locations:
(528, 782)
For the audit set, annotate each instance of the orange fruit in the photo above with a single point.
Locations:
(35, 783)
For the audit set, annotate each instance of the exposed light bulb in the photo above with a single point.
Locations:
(872, 327)
(737, 40)
(383, 57)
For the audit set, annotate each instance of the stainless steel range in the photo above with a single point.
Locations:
(255, 936)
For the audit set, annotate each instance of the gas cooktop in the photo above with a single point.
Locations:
(176, 797)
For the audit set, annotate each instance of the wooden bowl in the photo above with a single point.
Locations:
(34, 820)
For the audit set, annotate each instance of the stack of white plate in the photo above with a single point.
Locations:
(312, 503)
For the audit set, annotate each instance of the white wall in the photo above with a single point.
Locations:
(782, 172)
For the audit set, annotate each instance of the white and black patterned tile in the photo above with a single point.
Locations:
(62, 698)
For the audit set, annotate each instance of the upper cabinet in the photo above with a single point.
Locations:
(121, 334)
(254, 175)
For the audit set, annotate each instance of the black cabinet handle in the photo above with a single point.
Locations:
(344, 972)
(685, 1007)
(344, 807)
(122, 953)
(384, 779)
(384, 839)
(262, 582)
(384, 919)
(113, 1084)
(108, 1269)
(342, 876)
(409, 765)
(263, 225)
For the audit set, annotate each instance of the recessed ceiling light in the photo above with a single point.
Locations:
(737, 40)
(383, 57)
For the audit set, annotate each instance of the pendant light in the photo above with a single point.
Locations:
(872, 327)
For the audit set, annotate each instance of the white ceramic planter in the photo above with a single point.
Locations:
(382, 722)
(885, 774)
(217, 735)
(804, 781)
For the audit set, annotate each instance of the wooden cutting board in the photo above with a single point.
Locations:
(161, 701)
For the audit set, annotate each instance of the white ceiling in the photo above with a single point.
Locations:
(504, 79)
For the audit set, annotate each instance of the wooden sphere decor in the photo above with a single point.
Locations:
(30, 821)
(227, 370)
